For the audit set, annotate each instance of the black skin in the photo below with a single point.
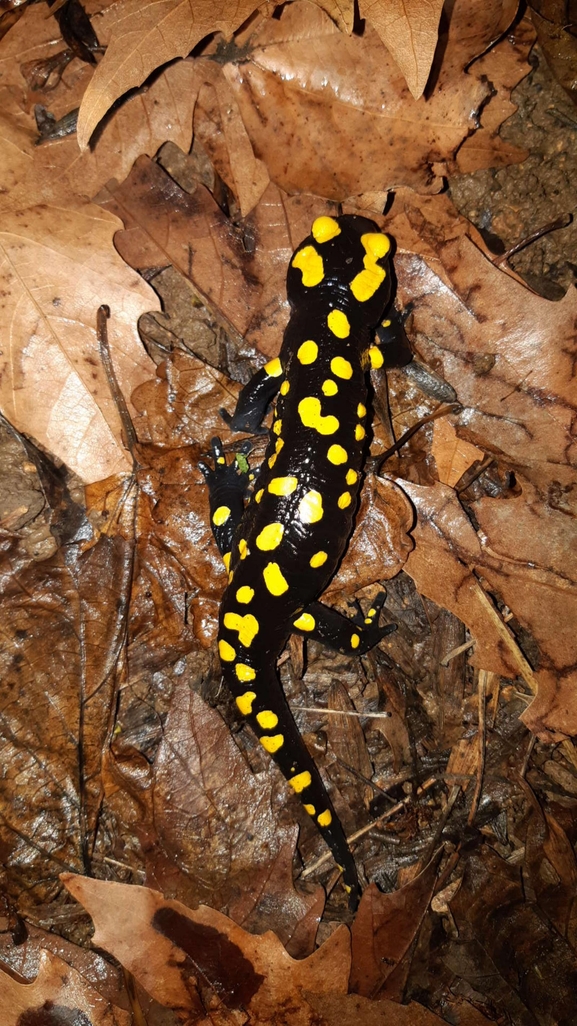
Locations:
(284, 546)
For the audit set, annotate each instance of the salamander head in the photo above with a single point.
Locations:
(344, 262)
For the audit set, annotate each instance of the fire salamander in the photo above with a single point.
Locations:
(283, 547)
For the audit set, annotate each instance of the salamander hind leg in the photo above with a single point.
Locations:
(227, 486)
(355, 636)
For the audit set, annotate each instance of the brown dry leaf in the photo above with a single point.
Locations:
(345, 101)
(179, 950)
(409, 31)
(143, 39)
(64, 621)
(57, 995)
(385, 927)
(554, 21)
(57, 265)
(353, 1009)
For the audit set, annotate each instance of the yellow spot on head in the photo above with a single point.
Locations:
(341, 367)
(244, 702)
(352, 477)
(359, 432)
(245, 594)
(226, 560)
(226, 652)
(221, 515)
(361, 410)
(325, 819)
(367, 282)
(267, 719)
(305, 622)
(376, 358)
(355, 641)
(273, 368)
(284, 388)
(282, 485)
(311, 416)
(318, 559)
(308, 352)
(337, 454)
(344, 500)
(274, 579)
(338, 323)
(277, 426)
(242, 548)
(247, 627)
(301, 781)
(376, 244)
(329, 387)
(310, 809)
(272, 743)
(309, 261)
(311, 508)
(324, 229)
(245, 673)
(259, 495)
(270, 537)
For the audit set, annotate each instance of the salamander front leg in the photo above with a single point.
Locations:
(254, 399)
(227, 487)
(356, 635)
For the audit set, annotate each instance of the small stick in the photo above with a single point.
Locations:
(552, 226)
(457, 651)
(343, 712)
(481, 739)
(442, 411)
(130, 439)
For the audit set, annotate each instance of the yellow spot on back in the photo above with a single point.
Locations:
(325, 228)
(247, 627)
(226, 560)
(329, 387)
(318, 559)
(226, 651)
(308, 352)
(301, 781)
(341, 367)
(344, 500)
(277, 426)
(311, 416)
(376, 358)
(338, 323)
(309, 261)
(311, 508)
(270, 537)
(279, 444)
(245, 673)
(221, 515)
(325, 819)
(242, 548)
(282, 485)
(274, 579)
(267, 719)
(272, 460)
(273, 368)
(355, 641)
(351, 477)
(272, 743)
(367, 282)
(284, 388)
(359, 432)
(259, 495)
(244, 702)
(310, 809)
(361, 410)
(337, 454)
(305, 622)
(245, 594)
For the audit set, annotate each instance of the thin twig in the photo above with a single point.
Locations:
(481, 739)
(552, 226)
(457, 651)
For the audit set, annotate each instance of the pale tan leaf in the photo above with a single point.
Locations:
(453, 455)
(409, 31)
(144, 38)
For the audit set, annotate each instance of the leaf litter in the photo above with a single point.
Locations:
(124, 762)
